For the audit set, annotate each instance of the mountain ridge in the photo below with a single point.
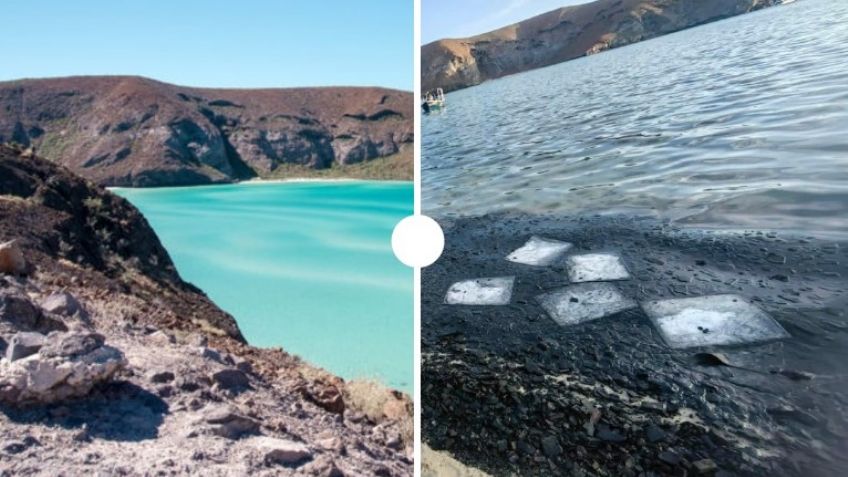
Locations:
(136, 131)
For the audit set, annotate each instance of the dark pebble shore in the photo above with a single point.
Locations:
(507, 390)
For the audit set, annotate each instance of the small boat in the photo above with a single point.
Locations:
(433, 100)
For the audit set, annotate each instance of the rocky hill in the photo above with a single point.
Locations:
(110, 364)
(132, 131)
(565, 34)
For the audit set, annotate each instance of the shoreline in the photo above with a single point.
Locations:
(260, 181)
(624, 394)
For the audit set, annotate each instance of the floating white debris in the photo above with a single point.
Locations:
(481, 291)
(584, 302)
(539, 251)
(712, 320)
(596, 267)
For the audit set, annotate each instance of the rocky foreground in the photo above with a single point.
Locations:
(508, 390)
(112, 365)
(564, 34)
(133, 131)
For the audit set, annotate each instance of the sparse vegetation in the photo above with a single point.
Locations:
(395, 167)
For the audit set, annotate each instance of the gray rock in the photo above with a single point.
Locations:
(18, 311)
(12, 258)
(704, 466)
(23, 344)
(64, 304)
(68, 365)
(18, 446)
(161, 338)
(280, 451)
(159, 377)
(608, 434)
(71, 344)
(231, 379)
(654, 433)
(550, 446)
(210, 354)
(226, 421)
(669, 457)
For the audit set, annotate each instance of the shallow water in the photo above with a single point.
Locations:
(735, 124)
(305, 266)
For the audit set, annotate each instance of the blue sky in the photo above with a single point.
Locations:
(461, 18)
(225, 43)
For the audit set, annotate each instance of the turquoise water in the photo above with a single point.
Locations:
(307, 266)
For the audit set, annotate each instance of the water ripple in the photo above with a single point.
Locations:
(739, 123)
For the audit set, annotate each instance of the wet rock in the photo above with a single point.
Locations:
(280, 451)
(712, 359)
(593, 419)
(550, 446)
(24, 344)
(231, 379)
(64, 304)
(605, 433)
(704, 467)
(226, 421)
(669, 457)
(654, 433)
(12, 258)
(67, 365)
(794, 374)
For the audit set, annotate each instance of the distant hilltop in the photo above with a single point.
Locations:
(565, 34)
(134, 131)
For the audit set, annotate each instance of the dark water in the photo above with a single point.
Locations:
(739, 124)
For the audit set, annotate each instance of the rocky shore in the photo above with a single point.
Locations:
(508, 390)
(112, 365)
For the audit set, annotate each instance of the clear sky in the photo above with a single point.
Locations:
(224, 43)
(461, 18)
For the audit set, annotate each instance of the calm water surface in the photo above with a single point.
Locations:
(306, 266)
(737, 124)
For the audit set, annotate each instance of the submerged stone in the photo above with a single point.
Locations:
(584, 302)
(711, 320)
(539, 251)
(596, 267)
(481, 291)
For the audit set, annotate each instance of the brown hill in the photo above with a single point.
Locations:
(565, 34)
(132, 131)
